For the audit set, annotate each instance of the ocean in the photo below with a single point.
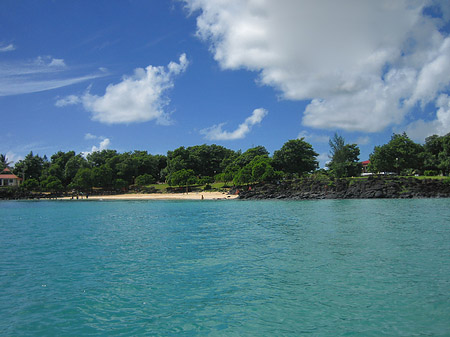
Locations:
(225, 268)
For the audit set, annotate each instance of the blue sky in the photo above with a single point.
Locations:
(155, 75)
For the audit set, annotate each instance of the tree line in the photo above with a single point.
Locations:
(206, 164)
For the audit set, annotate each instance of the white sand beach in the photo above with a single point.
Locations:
(159, 196)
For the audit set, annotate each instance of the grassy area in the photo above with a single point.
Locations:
(162, 188)
(432, 177)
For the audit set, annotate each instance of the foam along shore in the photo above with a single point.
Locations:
(159, 196)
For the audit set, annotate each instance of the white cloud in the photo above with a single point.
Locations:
(13, 157)
(89, 136)
(57, 63)
(41, 74)
(7, 48)
(310, 137)
(68, 100)
(323, 158)
(104, 144)
(363, 64)
(138, 98)
(363, 140)
(421, 129)
(216, 132)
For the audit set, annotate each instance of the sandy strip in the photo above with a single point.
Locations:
(159, 196)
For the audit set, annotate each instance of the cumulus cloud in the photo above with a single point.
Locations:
(324, 159)
(421, 129)
(362, 64)
(104, 144)
(216, 132)
(137, 98)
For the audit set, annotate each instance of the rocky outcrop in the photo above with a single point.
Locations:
(354, 188)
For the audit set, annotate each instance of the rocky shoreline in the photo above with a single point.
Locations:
(352, 188)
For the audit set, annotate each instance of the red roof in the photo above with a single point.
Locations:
(365, 162)
(6, 170)
(9, 176)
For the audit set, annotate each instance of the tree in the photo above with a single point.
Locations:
(72, 166)
(204, 160)
(53, 184)
(444, 155)
(31, 184)
(344, 158)
(32, 166)
(296, 156)
(144, 180)
(99, 158)
(243, 176)
(258, 170)
(4, 162)
(246, 157)
(82, 180)
(102, 176)
(400, 155)
(182, 177)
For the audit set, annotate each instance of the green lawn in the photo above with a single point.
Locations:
(161, 188)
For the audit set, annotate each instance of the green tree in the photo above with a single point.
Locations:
(246, 157)
(31, 184)
(401, 155)
(82, 180)
(102, 176)
(258, 170)
(244, 175)
(99, 158)
(182, 177)
(58, 163)
(145, 179)
(52, 184)
(444, 155)
(72, 166)
(32, 166)
(204, 160)
(120, 185)
(296, 156)
(436, 155)
(344, 158)
(4, 162)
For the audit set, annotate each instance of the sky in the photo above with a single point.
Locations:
(155, 75)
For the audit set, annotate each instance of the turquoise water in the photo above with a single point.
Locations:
(225, 268)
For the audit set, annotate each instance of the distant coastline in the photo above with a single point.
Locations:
(312, 187)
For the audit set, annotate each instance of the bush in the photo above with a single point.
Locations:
(206, 180)
(430, 173)
(145, 179)
(31, 184)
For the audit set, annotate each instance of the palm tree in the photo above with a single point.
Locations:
(4, 163)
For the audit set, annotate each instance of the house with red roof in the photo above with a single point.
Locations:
(7, 178)
(365, 167)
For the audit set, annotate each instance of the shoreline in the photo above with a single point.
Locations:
(158, 196)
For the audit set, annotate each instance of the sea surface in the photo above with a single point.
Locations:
(225, 268)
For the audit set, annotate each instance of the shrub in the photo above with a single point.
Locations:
(145, 179)
(430, 173)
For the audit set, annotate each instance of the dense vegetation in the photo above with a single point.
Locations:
(109, 170)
